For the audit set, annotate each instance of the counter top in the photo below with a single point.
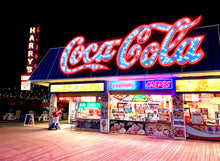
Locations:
(85, 119)
(159, 121)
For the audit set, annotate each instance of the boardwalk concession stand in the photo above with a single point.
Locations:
(161, 80)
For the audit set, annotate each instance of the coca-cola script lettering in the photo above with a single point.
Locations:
(132, 49)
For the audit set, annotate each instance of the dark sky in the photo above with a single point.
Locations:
(61, 23)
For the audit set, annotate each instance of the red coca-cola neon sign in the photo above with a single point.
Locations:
(133, 48)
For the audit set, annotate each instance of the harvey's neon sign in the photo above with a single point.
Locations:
(133, 49)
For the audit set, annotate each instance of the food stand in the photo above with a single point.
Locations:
(144, 81)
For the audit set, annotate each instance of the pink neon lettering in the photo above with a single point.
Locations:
(158, 84)
(77, 57)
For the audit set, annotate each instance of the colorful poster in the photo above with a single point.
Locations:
(127, 127)
(104, 125)
(158, 129)
(179, 131)
(104, 113)
(88, 125)
(104, 121)
(135, 128)
(117, 126)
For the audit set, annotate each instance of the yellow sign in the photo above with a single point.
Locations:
(198, 85)
(84, 87)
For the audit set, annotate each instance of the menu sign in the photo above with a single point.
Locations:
(25, 84)
(77, 87)
(179, 130)
(198, 85)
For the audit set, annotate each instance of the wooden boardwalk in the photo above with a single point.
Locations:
(37, 143)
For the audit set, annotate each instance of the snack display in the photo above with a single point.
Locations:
(141, 107)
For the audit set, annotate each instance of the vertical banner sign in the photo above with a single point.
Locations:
(104, 114)
(32, 49)
(179, 130)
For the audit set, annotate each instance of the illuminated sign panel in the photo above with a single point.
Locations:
(32, 49)
(162, 84)
(125, 85)
(89, 105)
(84, 87)
(198, 85)
(25, 77)
(139, 98)
(135, 48)
(25, 84)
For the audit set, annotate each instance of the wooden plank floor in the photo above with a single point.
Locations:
(37, 143)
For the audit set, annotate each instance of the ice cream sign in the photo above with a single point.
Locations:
(89, 105)
(175, 48)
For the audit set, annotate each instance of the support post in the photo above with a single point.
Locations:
(53, 107)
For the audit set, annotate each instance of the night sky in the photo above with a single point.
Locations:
(61, 23)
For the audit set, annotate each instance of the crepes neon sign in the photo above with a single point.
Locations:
(133, 49)
(159, 84)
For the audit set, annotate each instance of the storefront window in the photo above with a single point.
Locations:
(87, 107)
(88, 110)
(141, 107)
(202, 109)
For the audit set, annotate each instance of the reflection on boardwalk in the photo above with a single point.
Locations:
(38, 143)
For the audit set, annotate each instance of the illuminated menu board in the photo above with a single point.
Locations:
(198, 85)
(83, 87)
